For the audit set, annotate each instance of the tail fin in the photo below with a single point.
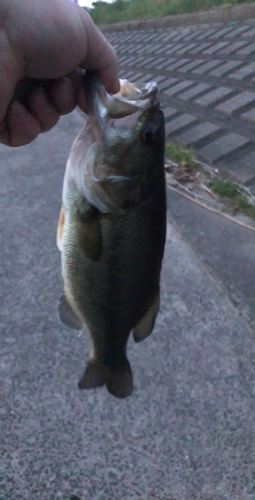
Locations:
(94, 376)
(118, 378)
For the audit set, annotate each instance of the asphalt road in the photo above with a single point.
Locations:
(187, 432)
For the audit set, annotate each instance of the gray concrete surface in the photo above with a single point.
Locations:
(187, 432)
(206, 75)
(225, 248)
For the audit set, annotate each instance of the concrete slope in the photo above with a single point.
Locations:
(206, 76)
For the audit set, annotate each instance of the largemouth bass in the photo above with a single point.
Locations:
(111, 231)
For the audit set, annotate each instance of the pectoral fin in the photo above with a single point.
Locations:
(145, 326)
(89, 233)
(67, 314)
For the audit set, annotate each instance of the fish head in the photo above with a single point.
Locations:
(134, 140)
(121, 148)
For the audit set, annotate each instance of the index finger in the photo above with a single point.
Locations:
(9, 76)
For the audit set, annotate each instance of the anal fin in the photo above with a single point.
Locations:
(67, 314)
(145, 326)
(61, 223)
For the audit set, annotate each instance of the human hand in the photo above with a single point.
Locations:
(43, 45)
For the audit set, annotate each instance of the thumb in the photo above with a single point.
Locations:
(100, 56)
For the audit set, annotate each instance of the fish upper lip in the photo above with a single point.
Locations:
(139, 93)
(131, 99)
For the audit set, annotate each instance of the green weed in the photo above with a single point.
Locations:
(179, 155)
(128, 10)
(246, 207)
(224, 188)
(238, 201)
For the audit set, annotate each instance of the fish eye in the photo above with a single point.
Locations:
(148, 133)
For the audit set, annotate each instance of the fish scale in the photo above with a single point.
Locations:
(131, 245)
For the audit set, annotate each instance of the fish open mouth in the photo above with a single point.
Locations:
(132, 92)
(130, 98)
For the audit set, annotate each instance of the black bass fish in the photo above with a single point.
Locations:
(111, 230)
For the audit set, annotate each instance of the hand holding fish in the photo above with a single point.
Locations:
(43, 46)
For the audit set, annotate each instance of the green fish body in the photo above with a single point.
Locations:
(112, 230)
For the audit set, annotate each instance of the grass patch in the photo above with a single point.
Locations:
(246, 207)
(227, 189)
(224, 188)
(234, 197)
(179, 155)
(128, 10)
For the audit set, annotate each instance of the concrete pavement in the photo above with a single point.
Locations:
(187, 432)
(206, 76)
